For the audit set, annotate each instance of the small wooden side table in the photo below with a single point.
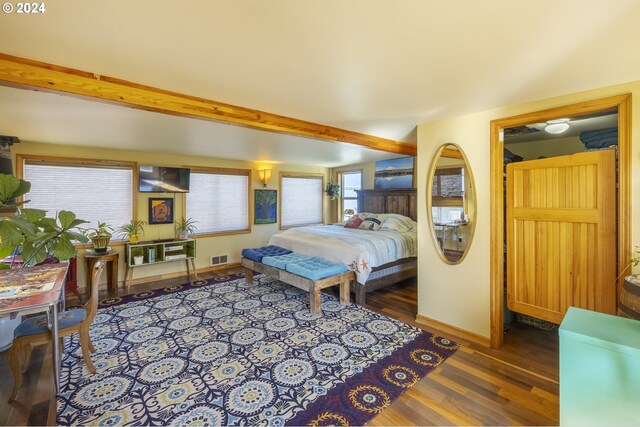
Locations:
(111, 258)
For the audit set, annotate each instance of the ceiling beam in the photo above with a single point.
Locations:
(28, 74)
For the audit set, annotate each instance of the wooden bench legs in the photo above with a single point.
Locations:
(312, 286)
(315, 302)
(316, 298)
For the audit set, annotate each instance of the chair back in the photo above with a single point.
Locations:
(91, 306)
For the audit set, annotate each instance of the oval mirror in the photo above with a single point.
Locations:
(451, 203)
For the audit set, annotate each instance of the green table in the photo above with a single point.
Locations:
(599, 369)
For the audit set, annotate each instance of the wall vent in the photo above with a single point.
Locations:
(219, 259)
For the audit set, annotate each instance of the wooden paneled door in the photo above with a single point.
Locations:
(561, 235)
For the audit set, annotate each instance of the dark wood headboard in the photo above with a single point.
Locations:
(400, 201)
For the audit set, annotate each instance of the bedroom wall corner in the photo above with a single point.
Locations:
(455, 295)
(231, 244)
(459, 295)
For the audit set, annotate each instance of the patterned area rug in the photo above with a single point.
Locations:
(224, 352)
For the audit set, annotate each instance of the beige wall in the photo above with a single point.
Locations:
(368, 180)
(458, 295)
(368, 172)
(368, 176)
(231, 245)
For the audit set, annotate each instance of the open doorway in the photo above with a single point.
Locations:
(520, 136)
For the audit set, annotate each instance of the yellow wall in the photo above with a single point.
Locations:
(368, 176)
(231, 245)
(368, 172)
(368, 181)
(458, 295)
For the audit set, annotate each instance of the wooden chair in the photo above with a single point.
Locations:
(35, 330)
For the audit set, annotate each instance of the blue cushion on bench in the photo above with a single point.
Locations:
(281, 261)
(315, 268)
(256, 254)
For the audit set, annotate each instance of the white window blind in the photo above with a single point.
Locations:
(301, 201)
(218, 202)
(93, 193)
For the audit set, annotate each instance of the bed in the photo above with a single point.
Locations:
(379, 258)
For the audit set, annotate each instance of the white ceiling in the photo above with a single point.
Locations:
(371, 66)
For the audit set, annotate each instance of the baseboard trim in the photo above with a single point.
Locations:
(147, 279)
(452, 331)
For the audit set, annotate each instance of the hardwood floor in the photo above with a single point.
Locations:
(517, 385)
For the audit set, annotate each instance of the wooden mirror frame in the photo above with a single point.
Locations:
(444, 151)
(621, 104)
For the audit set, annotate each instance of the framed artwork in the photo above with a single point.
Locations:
(160, 210)
(394, 173)
(266, 203)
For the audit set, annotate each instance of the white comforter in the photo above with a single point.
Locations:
(360, 250)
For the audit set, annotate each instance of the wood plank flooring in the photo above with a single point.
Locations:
(517, 385)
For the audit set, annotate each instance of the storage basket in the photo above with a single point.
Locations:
(536, 323)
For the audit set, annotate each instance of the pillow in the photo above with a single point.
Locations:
(353, 222)
(399, 223)
(370, 223)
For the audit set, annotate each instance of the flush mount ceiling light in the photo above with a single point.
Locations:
(557, 126)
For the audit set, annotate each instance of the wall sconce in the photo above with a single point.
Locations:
(265, 176)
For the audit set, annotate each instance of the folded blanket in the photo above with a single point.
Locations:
(509, 157)
(256, 254)
(600, 138)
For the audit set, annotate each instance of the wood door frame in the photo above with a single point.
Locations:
(621, 103)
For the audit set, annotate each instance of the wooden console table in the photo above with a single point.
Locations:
(159, 251)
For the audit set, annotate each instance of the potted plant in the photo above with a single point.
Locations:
(30, 232)
(12, 188)
(332, 190)
(100, 236)
(185, 227)
(132, 229)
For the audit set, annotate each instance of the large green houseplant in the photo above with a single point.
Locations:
(30, 232)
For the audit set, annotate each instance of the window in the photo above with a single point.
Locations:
(349, 183)
(448, 182)
(94, 190)
(447, 199)
(301, 200)
(218, 199)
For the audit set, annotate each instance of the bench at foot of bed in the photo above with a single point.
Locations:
(312, 286)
